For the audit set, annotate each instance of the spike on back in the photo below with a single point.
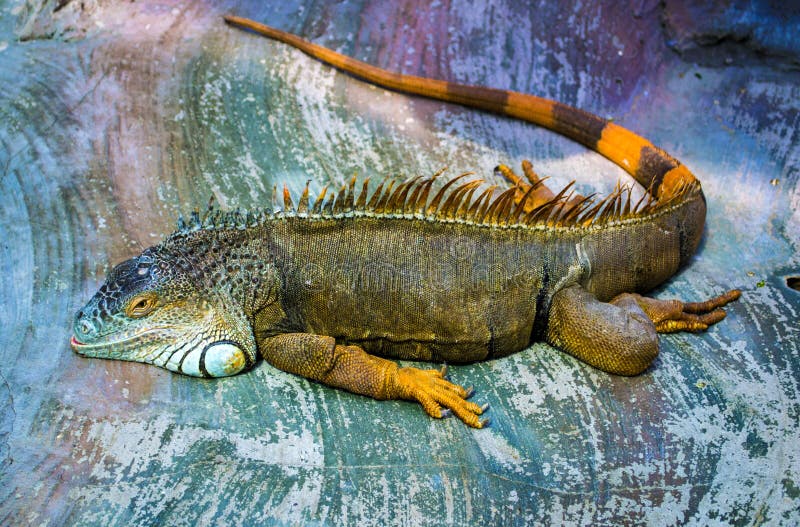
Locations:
(452, 202)
(461, 213)
(351, 190)
(434, 206)
(380, 207)
(361, 204)
(393, 203)
(475, 209)
(274, 199)
(402, 199)
(288, 206)
(302, 207)
(317, 208)
(341, 197)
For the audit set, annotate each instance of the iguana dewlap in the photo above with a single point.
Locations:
(417, 270)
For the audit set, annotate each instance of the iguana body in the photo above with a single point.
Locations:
(412, 271)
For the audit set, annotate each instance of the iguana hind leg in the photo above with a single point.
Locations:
(534, 193)
(621, 336)
(319, 358)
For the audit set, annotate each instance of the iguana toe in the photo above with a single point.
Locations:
(672, 316)
(439, 397)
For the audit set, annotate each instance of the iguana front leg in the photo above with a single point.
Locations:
(621, 336)
(318, 357)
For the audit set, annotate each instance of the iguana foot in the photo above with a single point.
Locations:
(671, 316)
(621, 336)
(534, 193)
(437, 395)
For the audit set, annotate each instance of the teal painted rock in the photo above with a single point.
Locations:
(117, 116)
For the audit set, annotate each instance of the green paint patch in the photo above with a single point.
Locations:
(756, 446)
(792, 490)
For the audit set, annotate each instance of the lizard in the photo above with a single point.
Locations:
(337, 289)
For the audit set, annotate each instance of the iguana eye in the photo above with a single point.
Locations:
(141, 305)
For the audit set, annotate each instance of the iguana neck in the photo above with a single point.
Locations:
(236, 265)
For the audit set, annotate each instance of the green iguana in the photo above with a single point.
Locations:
(332, 289)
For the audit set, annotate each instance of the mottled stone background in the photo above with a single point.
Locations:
(116, 116)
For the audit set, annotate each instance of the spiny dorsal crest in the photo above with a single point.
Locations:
(452, 202)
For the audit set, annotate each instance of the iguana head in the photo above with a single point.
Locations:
(155, 308)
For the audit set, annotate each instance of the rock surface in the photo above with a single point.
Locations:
(117, 116)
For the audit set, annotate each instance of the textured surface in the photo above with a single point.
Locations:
(104, 140)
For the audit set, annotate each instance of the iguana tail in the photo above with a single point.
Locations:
(654, 169)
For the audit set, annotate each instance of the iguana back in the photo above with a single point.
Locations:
(455, 290)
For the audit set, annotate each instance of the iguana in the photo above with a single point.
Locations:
(333, 290)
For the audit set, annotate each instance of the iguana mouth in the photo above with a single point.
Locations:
(82, 347)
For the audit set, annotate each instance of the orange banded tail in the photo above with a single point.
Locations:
(658, 172)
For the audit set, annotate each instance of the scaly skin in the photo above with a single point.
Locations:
(332, 291)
